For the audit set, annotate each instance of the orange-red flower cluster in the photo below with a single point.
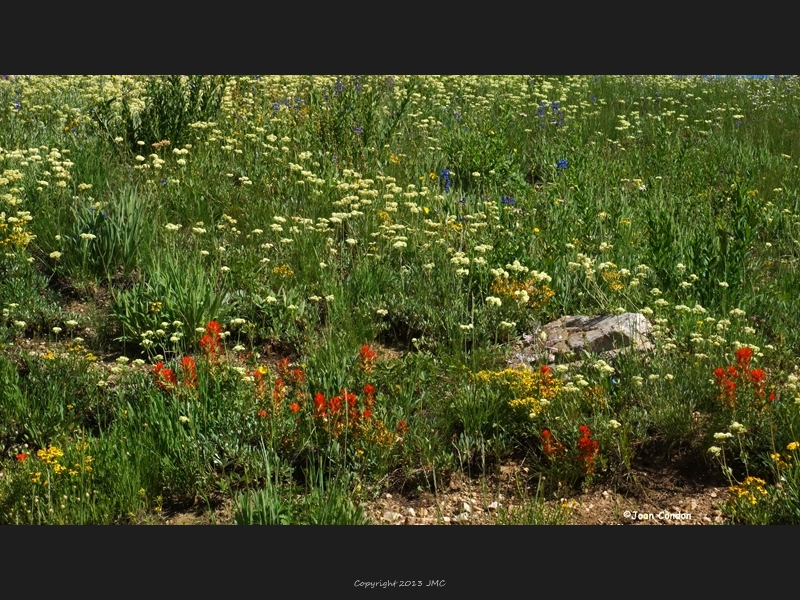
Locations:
(166, 379)
(726, 380)
(211, 342)
(551, 446)
(22, 457)
(366, 358)
(728, 377)
(261, 384)
(588, 449)
(369, 400)
(189, 371)
(287, 377)
(743, 358)
(345, 403)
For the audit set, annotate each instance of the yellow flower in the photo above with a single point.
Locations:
(793, 446)
(50, 455)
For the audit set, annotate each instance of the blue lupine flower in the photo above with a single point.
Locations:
(562, 164)
(445, 175)
(339, 87)
(507, 200)
(463, 201)
(358, 130)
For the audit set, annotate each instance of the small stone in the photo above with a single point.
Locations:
(388, 496)
(493, 506)
(713, 494)
(707, 520)
(446, 520)
(466, 508)
(693, 504)
(411, 512)
(390, 516)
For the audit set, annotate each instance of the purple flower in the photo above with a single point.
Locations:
(542, 106)
(561, 164)
(445, 176)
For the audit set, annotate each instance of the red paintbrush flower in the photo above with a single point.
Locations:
(189, 371)
(743, 357)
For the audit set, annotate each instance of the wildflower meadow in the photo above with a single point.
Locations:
(285, 299)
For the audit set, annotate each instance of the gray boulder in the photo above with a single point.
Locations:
(568, 338)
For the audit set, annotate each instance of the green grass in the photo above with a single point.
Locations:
(433, 220)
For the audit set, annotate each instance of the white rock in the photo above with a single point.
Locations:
(391, 516)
